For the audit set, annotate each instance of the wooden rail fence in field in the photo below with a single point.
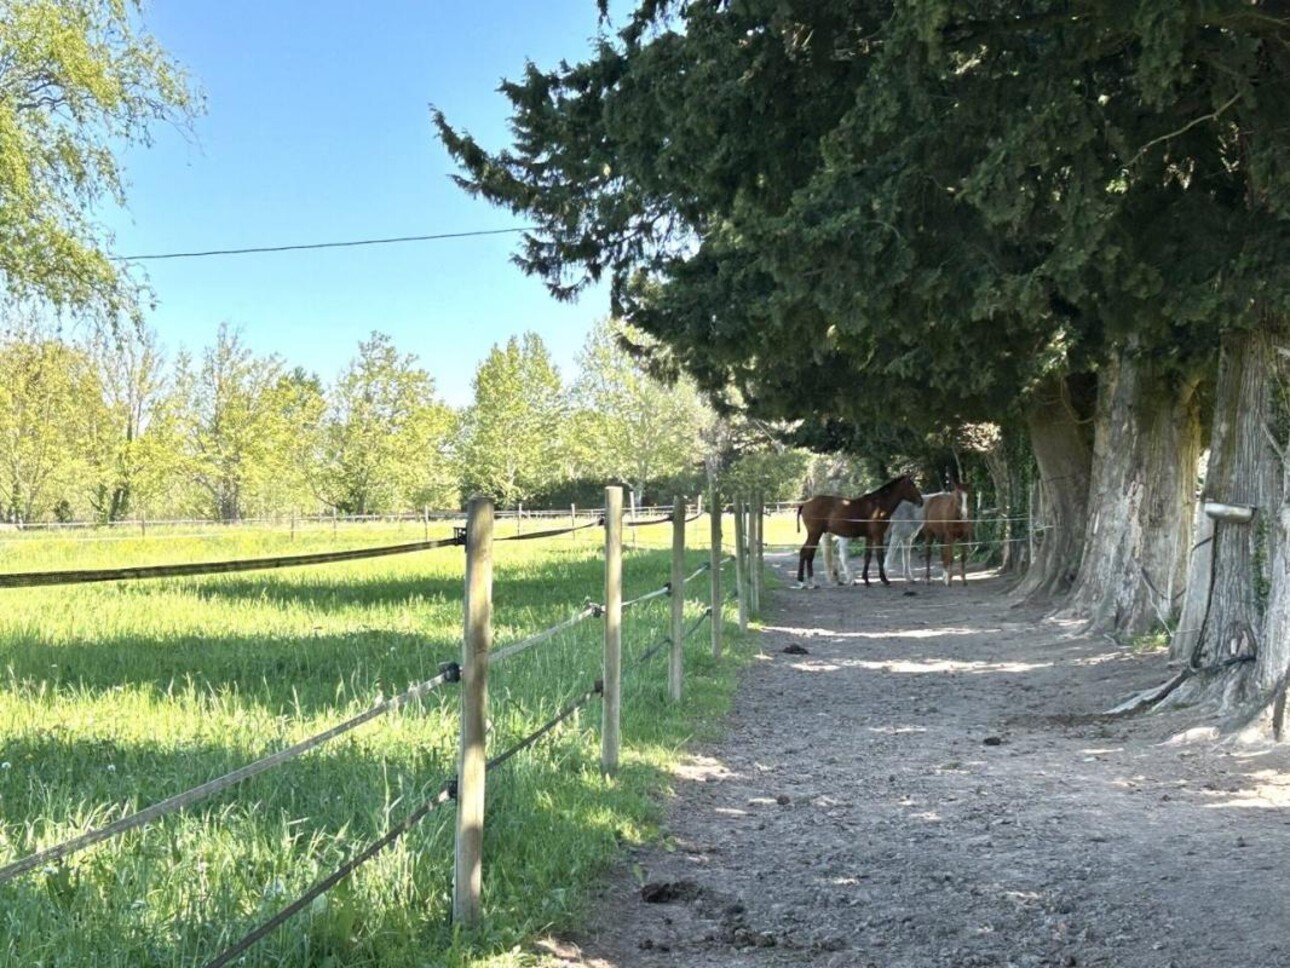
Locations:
(467, 787)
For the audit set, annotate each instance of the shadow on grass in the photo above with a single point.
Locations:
(184, 888)
(285, 674)
(645, 570)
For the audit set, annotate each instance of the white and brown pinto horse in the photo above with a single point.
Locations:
(857, 517)
(945, 519)
(906, 522)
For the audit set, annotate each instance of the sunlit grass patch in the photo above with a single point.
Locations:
(114, 696)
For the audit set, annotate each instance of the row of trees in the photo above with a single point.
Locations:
(897, 220)
(107, 428)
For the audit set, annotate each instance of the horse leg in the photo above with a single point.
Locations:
(844, 569)
(927, 558)
(963, 550)
(881, 555)
(947, 560)
(806, 558)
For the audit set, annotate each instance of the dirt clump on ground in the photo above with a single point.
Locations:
(922, 777)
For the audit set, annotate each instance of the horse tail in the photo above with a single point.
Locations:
(799, 517)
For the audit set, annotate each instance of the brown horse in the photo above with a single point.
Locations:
(857, 517)
(945, 518)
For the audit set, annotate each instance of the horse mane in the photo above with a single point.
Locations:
(890, 485)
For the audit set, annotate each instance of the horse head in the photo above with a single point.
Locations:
(909, 491)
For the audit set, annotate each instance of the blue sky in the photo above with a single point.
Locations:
(318, 128)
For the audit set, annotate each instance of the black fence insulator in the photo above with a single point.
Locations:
(599, 687)
(597, 610)
(668, 586)
(459, 536)
(450, 788)
(450, 671)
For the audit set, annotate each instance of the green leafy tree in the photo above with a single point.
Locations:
(235, 432)
(388, 443)
(133, 448)
(79, 79)
(512, 432)
(631, 426)
(50, 404)
(298, 401)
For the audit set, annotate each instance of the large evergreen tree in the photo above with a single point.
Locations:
(931, 212)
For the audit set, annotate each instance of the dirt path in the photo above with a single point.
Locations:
(929, 786)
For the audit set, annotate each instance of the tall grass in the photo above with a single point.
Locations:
(115, 696)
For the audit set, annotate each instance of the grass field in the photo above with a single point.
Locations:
(117, 695)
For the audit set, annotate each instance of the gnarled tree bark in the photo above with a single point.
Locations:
(1147, 444)
(1236, 611)
(1059, 421)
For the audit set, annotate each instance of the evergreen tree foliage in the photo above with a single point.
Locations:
(908, 213)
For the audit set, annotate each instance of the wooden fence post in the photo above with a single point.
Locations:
(741, 565)
(473, 759)
(610, 729)
(675, 669)
(714, 564)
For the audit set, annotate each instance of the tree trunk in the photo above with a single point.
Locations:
(1145, 453)
(1059, 436)
(1236, 613)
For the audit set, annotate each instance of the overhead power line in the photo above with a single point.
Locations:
(318, 245)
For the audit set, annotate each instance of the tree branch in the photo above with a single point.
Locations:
(1212, 116)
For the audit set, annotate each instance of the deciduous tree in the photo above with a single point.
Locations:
(50, 403)
(634, 428)
(79, 79)
(388, 443)
(513, 429)
(234, 430)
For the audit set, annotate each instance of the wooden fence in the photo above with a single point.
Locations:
(468, 787)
